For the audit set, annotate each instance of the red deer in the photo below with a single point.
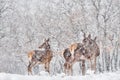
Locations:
(92, 51)
(40, 57)
(80, 54)
(88, 50)
(70, 57)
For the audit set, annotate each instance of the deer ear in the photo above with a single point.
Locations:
(84, 35)
(95, 38)
(89, 36)
(45, 39)
(48, 40)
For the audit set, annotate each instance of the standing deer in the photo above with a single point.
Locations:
(71, 56)
(88, 50)
(80, 53)
(92, 51)
(40, 57)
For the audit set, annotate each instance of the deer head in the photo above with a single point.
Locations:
(87, 40)
(45, 45)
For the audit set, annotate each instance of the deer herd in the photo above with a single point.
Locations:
(77, 52)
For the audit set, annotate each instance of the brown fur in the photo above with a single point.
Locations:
(71, 55)
(40, 57)
(68, 61)
(92, 50)
(73, 47)
(30, 54)
(88, 50)
(80, 54)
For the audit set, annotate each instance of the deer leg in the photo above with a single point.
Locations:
(47, 67)
(65, 71)
(65, 68)
(31, 64)
(68, 69)
(83, 67)
(29, 68)
(71, 71)
(94, 66)
(91, 66)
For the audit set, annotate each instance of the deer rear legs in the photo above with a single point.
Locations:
(47, 67)
(83, 67)
(31, 64)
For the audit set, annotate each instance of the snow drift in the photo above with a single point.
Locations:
(44, 76)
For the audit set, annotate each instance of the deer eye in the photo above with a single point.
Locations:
(85, 40)
(90, 42)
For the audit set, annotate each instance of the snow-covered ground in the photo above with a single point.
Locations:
(44, 76)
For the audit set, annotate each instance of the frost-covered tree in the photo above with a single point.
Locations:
(24, 24)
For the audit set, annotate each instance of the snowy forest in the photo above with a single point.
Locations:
(24, 24)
